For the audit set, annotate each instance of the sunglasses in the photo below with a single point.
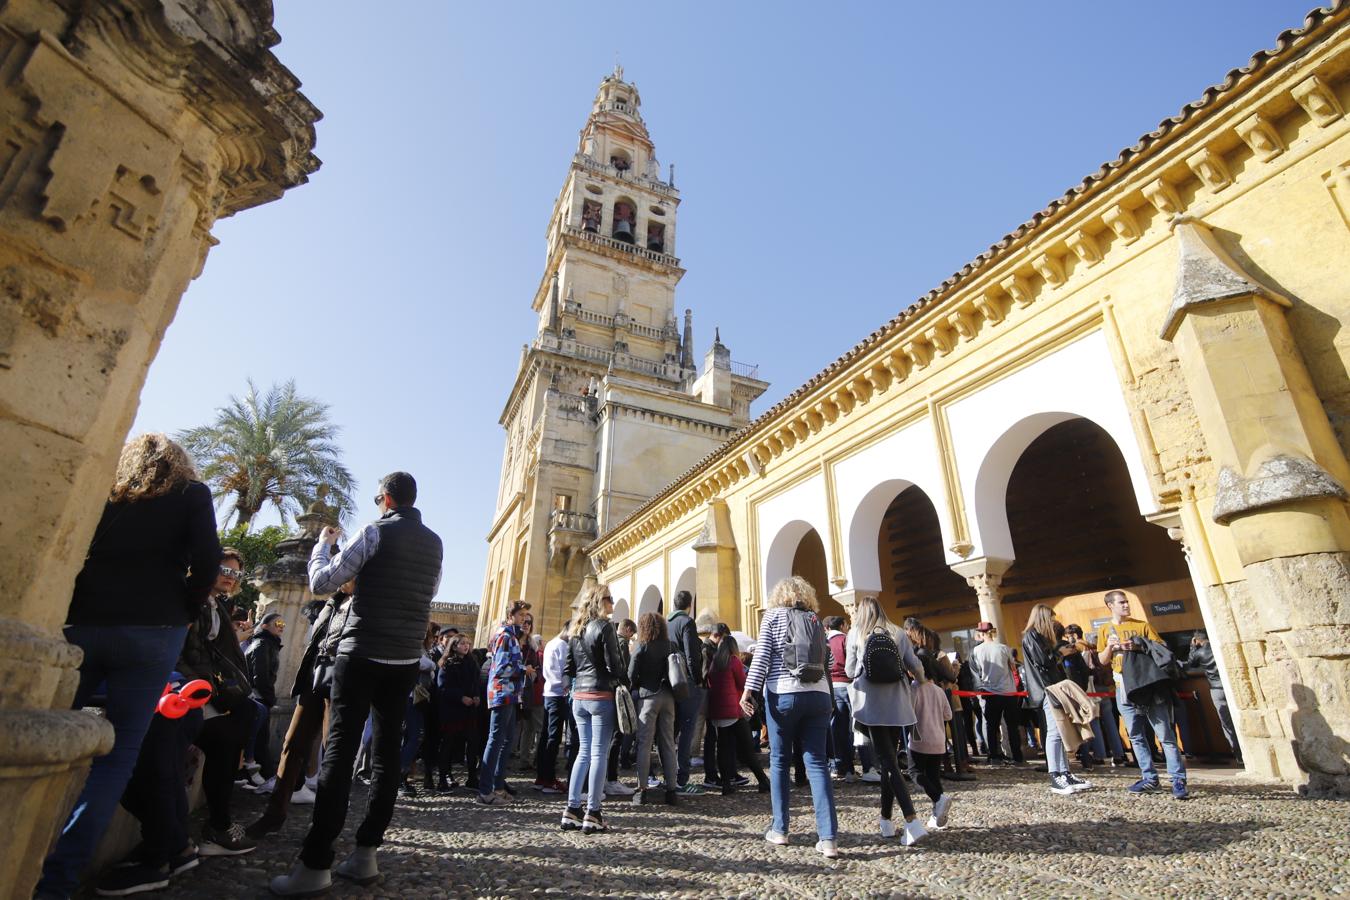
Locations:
(230, 572)
(379, 499)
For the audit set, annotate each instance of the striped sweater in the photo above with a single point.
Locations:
(766, 670)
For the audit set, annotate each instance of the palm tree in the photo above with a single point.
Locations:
(276, 449)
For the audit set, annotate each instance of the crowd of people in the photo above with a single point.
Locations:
(384, 695)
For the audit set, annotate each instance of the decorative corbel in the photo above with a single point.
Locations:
(1084, 246)
(828, 411)
(1164, 197)
(800, 428)
(861, 388)
(898, 364)
(962, 321)
(844, 400)
(990, 305)
(1050, 268)
(1122, 221)
(881, 378)
(1260, 134)
(1017, 288)
(920, 353)
(786, 437)
(1319, 100)
(1210, 168)
(942, 338)
(815, 420)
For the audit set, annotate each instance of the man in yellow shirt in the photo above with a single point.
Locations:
(1114, 640)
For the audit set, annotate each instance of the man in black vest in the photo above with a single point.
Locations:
(396, 562)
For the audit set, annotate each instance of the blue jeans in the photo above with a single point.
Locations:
(1056, 760)
(1155, 710)
(686, 712)
(134, 661)
(806, 717)
(596, 723)
(501, 727)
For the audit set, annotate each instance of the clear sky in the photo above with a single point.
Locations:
(835, 160)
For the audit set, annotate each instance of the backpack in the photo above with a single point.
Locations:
(677, 675)
(881, 658)
(804, 647)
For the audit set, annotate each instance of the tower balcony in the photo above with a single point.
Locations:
(592, 237)
(568, 534)
(628, 175)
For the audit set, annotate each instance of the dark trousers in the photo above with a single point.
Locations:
(221, 740)
(306, 726)
(999, 709)
(969, 709)
(734, 744)
(885, 741)
(360, 688)
(557, 716)
(928, 773)
(712, 754)
(460, 745)
(262, 742)
(157, 792)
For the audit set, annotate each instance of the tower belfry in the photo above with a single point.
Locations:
(608, 406)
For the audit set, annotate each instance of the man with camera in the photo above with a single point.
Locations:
(396, 564)
(1152, 704)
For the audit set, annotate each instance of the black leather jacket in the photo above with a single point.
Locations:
(649, 667)
(264, 660)
(1042, 667)
(593, 659)
(1202, 658)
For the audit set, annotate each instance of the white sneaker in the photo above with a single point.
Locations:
(914, 832)
(932, 824)
(267, 786)
(304, 796)
(871, 776)
(256, 780)
(941, 809)
(653, 782)
(827, 849)
(618, 789)
(887, 828)
(776, 837)
(1077, 783)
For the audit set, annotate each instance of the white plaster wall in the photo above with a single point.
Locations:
(681, 566)
(991, 428)
(866, 482)
(783, 521)
(648, 577)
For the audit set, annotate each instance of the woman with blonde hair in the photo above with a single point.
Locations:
(596, 669)
(882, 703)
(152, 562)
(1043, 647)
(791, 665)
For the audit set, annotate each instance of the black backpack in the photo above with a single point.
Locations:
(881, 658)
(804, 646)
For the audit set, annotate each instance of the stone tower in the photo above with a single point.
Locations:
(608, 406)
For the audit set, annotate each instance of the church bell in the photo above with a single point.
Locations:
(623, 231)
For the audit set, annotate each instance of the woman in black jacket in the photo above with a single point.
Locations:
(596, 669)
(648, 671)
(1043, 647)
(458, 695)
(263, 654)
(153, 558)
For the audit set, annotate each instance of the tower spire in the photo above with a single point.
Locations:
(687, 345)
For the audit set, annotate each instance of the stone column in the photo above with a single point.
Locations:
(126, 129)
(848, 599)
(1280, 495)
(985, 575)
(716, 578)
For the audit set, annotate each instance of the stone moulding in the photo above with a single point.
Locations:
(1278, 481)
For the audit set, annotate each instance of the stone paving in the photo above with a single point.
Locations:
(1008, 837)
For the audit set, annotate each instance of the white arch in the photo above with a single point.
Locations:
(620, 610)
(778, 560)
(992, 428)
(651, 600)
(864, 566)
(688, 581)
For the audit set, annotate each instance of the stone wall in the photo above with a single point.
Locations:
(127, 128)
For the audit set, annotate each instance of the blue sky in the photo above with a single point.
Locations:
(836, 161)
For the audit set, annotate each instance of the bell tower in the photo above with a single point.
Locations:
(608, 406)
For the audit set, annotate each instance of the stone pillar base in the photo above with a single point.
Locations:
(44, 758)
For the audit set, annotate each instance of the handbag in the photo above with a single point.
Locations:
(324, 662)
(677, 673)
(627, 710)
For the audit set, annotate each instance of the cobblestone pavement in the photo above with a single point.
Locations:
(1008, 837)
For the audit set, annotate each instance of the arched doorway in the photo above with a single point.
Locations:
(650, 602)
(808, 561)
(915, 578)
